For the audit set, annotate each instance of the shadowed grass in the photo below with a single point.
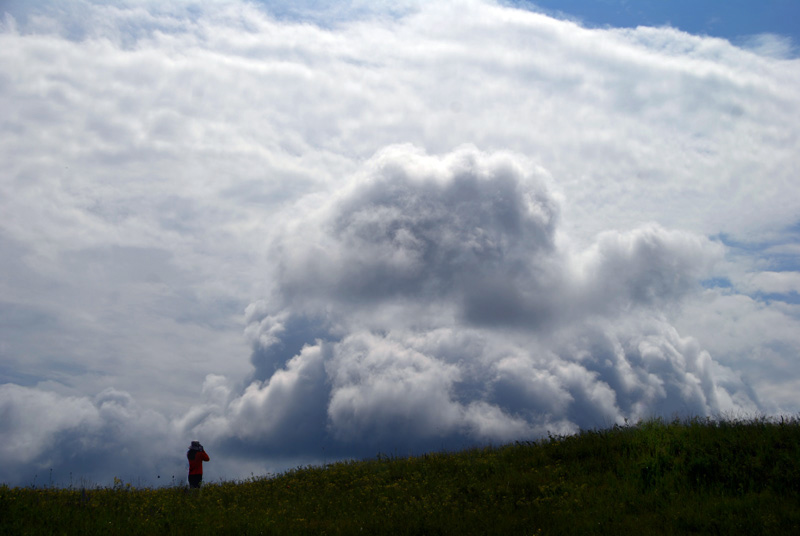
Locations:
(698, 476)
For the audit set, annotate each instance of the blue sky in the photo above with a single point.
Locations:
(733, 19)
(306, 231)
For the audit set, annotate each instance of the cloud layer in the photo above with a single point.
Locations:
(436, 225)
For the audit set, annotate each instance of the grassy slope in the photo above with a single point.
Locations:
(699, 476)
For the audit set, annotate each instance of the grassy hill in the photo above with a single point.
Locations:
(656, 477)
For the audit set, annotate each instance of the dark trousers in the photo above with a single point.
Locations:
(195, 480)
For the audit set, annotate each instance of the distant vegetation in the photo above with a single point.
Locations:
(698, 476)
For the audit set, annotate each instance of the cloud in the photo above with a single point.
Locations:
(647, 266)
(429, 303)
(770, 45)
(771, 282)
(49, 438)
(418, 227)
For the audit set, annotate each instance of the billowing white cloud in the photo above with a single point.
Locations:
(437, 223)
(428, 302)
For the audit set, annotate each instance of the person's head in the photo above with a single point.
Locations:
(196, 446)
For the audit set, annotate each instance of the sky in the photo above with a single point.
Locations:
(306, 232)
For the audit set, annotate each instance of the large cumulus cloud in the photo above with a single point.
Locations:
(432, 301)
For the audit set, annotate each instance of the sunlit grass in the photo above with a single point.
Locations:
(698, 476)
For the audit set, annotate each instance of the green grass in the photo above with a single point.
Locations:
(699, 476)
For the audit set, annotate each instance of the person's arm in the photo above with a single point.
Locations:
(205, 456)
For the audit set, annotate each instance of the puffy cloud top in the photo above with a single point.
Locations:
(419, 227)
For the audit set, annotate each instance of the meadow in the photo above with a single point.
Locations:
(698, 476)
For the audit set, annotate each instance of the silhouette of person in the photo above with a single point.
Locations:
(196, 456)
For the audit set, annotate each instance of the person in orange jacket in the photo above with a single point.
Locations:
(196, 455)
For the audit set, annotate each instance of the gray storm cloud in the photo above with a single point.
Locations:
(431, 302)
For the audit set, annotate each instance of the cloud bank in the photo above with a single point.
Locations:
(432, 234)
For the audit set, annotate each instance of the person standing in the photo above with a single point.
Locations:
(196, 456)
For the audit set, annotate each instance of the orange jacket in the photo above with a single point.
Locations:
(196, 465)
